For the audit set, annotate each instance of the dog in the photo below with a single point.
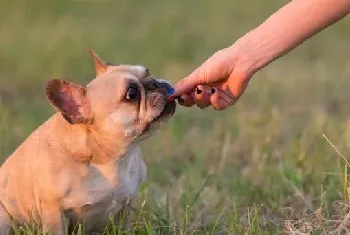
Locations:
(84, 163)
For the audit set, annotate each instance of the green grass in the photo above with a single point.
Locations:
(260, 167)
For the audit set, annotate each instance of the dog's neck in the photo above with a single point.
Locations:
(84, 144)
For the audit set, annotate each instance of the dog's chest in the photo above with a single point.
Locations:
(106, 190)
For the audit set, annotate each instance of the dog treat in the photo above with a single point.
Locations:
(167, 84)
(171, 91)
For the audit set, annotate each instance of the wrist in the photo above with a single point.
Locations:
(247, 59)
(280, 33)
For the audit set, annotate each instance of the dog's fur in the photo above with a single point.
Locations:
(84, 163)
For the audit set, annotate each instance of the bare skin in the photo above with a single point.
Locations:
(222, 79)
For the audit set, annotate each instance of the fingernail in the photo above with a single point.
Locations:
(199, 91)
(212, 90)
(171, 91)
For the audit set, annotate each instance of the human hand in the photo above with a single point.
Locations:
(219, 81)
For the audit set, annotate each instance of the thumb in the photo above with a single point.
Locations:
(189, 83)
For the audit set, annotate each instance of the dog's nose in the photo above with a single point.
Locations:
(160, 83)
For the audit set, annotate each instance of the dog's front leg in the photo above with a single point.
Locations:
(53, 221)
(5, 222)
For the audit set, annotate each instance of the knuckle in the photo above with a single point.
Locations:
(220, 106)
(202, 74)
(186, 105)
(217, 108)
(219, 53)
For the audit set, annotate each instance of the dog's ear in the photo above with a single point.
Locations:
(69, 99)
(100, 65)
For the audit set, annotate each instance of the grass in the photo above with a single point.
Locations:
(264, 166)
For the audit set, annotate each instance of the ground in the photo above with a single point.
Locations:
(274, 163)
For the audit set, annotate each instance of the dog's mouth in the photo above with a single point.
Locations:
(159, 90)
(167, 112)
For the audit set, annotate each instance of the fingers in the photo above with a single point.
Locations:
(202, 96)
(235, 85)
(220, 96)
(216, 68)
(229, 91)
(201, 90)
(186, 100)
(220, 100)
(188, 84)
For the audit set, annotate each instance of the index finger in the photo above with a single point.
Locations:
(188, 84)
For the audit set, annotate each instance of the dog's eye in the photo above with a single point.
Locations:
(132, 93)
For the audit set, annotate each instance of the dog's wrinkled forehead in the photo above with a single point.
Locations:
(140, 74)
(137, 71)
(101, 67)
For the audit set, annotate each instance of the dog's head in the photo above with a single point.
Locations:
(124, 102)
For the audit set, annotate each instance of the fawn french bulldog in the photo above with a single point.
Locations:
(84, 163)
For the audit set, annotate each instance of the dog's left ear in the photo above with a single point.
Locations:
(69, 99)
(100, 65)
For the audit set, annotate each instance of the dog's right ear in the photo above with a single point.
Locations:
(69, 99)
(100, 65)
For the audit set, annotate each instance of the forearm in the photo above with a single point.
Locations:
(287, 28)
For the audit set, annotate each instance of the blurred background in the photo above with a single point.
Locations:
(246, 169)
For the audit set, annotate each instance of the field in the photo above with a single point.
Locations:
(274, 163)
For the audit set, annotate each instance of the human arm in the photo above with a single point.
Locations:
(229, 70)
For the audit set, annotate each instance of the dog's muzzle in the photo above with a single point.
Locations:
(164, 84)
